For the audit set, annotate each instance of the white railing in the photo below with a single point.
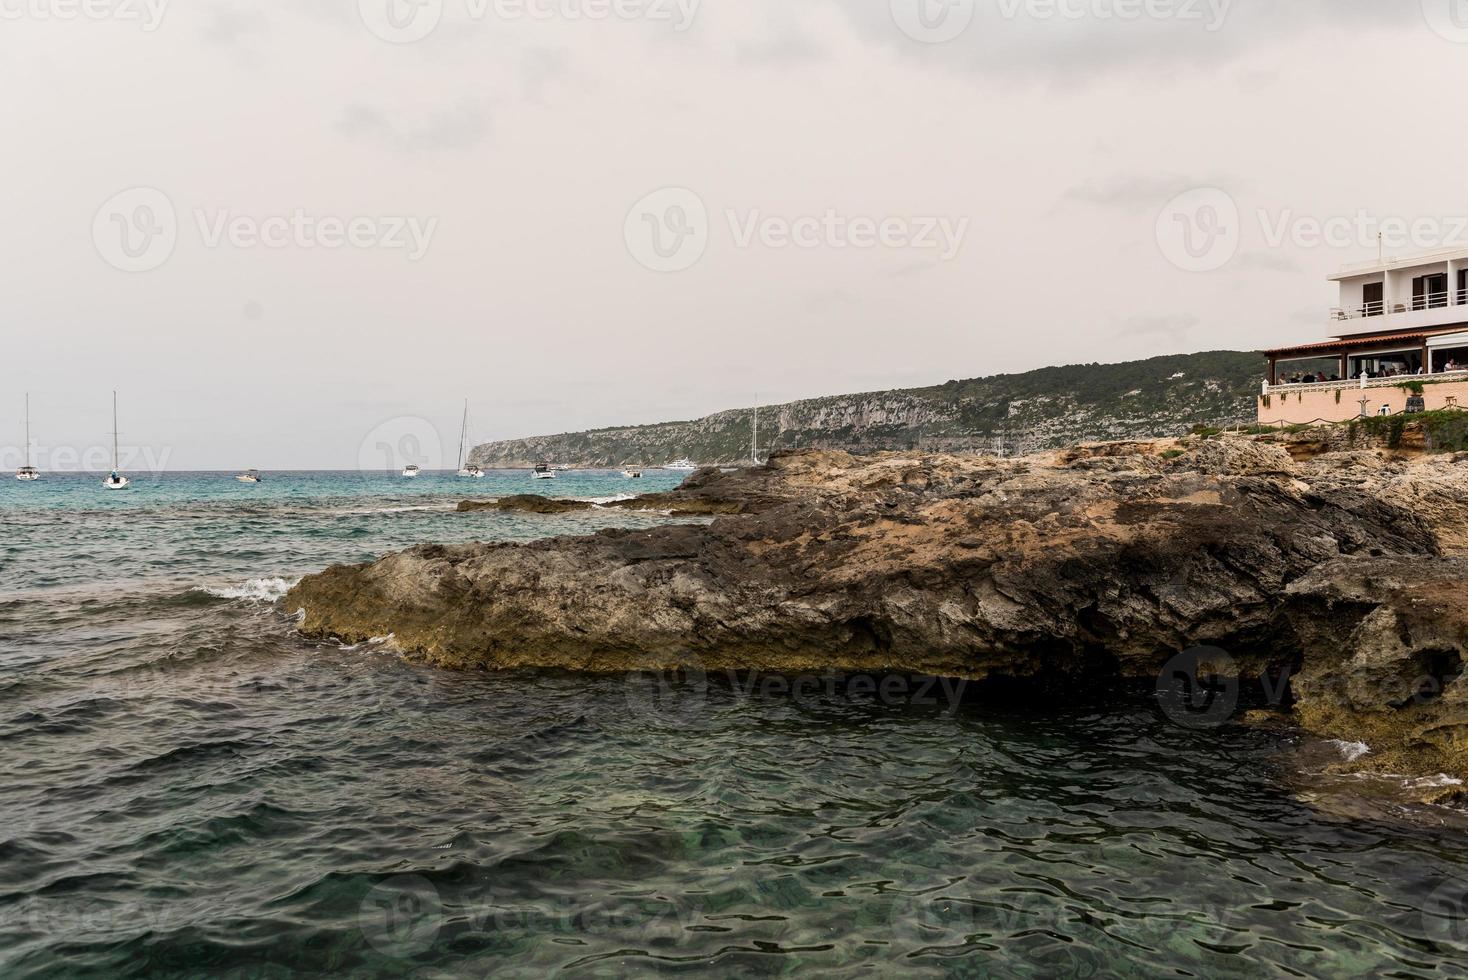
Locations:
(1392, 382)
(1429, 301)
(1403, 261)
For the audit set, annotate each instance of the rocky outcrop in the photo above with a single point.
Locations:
(1335, 568)
(528, 503)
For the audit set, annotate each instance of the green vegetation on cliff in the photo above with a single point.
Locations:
(1053, 406)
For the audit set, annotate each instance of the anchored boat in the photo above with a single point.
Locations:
(115, 480)
(28, 473)
(466, 468)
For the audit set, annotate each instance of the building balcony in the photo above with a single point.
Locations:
(1392, 382)
(1442, 309)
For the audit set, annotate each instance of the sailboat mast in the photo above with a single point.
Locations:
(28, 430)
(754, 438)
(114, 432)
(463, 433)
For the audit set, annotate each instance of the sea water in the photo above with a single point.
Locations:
(189, 787)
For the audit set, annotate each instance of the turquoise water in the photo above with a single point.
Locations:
(190, 788)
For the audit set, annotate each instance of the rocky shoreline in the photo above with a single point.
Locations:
(1326, 569)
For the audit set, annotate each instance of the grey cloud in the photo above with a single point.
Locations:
(1175, 327)
(455, 129)
(1271, 261)
(1136, 190)
(540, 67)
(240, 31)
(789, 48)
(1017, 39)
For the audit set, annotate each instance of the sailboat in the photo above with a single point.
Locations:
(115, 480)
(466, 468)
(28, 473)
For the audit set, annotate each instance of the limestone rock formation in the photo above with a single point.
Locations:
(1334, 566)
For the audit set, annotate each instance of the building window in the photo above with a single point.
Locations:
(1373, 299)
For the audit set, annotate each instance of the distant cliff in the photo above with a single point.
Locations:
(1041, 409)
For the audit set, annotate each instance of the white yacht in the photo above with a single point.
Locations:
(28, 473)
(249, 476)
(684, 465)
(543, 471)
(466, 468)
(632, 473)
(411, 471)
(115, 480)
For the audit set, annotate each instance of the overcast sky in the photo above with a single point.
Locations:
(281, 229)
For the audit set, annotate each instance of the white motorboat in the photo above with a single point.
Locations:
(684, 465)
(28, 473)
(466, 468)
(543, 471)
(632, 474)
(115, 480)
(411, 471)
(250, 476)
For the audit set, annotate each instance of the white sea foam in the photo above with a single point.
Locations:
(256, 589)
(1351, 750)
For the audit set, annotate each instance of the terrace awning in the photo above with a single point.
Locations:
(1325, 348)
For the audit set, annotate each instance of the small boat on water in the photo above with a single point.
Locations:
(684, 465)
(543, 471)
(115, 480)
(28, 473)
(411, 471)
(632, 474)
(250, 476)
(466, 468)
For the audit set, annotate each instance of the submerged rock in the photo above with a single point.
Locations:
(527, 503)
(1101, 561)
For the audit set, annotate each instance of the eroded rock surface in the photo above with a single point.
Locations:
(1338, 567)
